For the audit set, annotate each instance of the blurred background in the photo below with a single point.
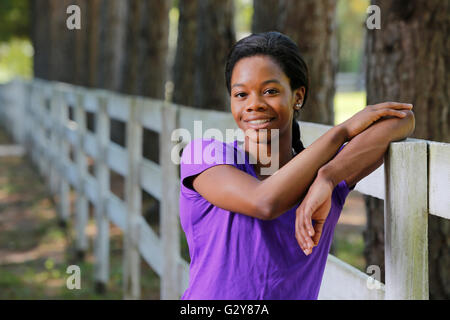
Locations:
(176, 51)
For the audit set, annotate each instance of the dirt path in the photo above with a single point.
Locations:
(35, 250)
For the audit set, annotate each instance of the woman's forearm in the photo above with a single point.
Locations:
(365, 152)
(282, 190)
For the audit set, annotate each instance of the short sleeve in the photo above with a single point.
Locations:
(342, 188)
(201, 154)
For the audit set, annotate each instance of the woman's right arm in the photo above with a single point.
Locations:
(242, 193)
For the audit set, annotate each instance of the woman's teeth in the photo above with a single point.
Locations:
(259, 121)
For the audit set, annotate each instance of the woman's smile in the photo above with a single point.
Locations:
(259, 123)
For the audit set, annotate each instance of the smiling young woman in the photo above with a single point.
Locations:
(249, 236)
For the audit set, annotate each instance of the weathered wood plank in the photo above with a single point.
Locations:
(101, 245)
(81, 203)
(406, 221)
(117, 158)
(151, 172)
(170, 229)
(118, 106)
(133, 196)
(150, 113)
(150, 246)
(90, 145)
(342, 281)
(64, 187)
(117, 211)
(439, 179)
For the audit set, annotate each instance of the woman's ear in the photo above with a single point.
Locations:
(299, 95)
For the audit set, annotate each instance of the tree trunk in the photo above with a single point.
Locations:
(408, 61)
(147, 46)
(312, 25)
(263, 15)
(81, 76)
(216, 36)
(40, 20)
(184, 66)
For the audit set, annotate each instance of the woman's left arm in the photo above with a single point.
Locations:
(360, 157)
(365, 152)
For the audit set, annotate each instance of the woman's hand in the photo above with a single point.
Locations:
(366, 117)
(315, 206)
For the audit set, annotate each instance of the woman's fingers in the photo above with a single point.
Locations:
(307, 225)
(301, 235)
(298, 234)
(393, 105)
(391, 112)
(301, 232)
(318, 227)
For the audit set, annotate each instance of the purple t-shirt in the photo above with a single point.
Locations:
(235, 256)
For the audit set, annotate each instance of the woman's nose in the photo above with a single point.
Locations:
(255, 103)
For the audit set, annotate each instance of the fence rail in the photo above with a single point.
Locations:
(413, 183)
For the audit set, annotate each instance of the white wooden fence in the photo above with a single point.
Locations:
(36, 114)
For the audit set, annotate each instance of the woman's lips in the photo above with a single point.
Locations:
(259, 124)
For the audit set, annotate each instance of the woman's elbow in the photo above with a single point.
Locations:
(265, 209)
(412, 121)
(404, 128)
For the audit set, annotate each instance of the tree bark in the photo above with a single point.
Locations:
(408, 61)
(184, 66)
(263, 15)
(40, 20)
(147, 43)
(81, 75)
(216, 36)
(312, 25)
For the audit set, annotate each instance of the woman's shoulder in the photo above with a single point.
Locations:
(209, 150)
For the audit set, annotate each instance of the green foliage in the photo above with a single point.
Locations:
(351, 15)
(16, 59)
(243, 12)
(346, 104)
(15, 19)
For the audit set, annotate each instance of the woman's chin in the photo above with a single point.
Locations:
(262, 136)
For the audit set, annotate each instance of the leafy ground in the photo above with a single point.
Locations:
(35, 250)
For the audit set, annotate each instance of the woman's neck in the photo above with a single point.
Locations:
(267, 157)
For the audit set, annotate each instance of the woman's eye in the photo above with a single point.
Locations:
(272, 91)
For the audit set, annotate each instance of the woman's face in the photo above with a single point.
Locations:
(260, 90)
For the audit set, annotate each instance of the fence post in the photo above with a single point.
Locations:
(19, 100)
(406, 220)
(54, 146)
(133, 197)
(81, 204)
(40, 132)
(32, 122)
(171, 279)
(64, 188)
(47, 160)
(101, 248)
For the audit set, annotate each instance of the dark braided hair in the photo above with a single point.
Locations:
(285, 52)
